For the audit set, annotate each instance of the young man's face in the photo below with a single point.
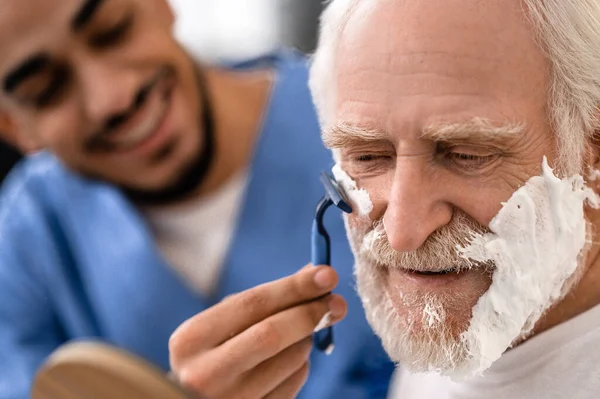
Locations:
(104, 86)
(440, 116)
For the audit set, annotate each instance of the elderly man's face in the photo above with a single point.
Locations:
(440, 117)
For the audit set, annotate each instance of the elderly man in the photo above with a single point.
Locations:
(165, 187)
(465, 134)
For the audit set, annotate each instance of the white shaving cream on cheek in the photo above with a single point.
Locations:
(360, 198)
(536, 243)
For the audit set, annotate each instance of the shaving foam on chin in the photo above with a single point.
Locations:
(536, 243)
(360, 198)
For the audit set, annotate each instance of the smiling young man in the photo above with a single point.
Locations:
(476, 262)
(165, 186)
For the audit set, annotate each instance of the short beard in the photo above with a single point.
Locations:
(429, 343)
(194, 174)
(429, 338)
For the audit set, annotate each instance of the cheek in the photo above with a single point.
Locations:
(482, 207)
(379, 191)
(152, 44)
(356, 230)
(480, 204)
(59, 130)
(184, 102)
(380, 198)
(483, 199)
(359, 225)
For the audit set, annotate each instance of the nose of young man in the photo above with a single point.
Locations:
(106, 90)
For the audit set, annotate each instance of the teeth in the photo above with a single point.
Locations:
(143, 130)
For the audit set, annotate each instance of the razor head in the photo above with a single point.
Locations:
(334, 193)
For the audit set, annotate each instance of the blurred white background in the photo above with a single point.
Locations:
(227, 29)
(238, 29)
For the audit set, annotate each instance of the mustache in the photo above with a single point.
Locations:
(438, 253)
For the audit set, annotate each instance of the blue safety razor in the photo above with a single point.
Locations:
(321, 245)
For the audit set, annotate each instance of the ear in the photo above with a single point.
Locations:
(12, 134)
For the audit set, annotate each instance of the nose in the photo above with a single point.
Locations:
(416, 207)
(107, 90)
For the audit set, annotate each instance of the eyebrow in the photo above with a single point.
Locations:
(343, 134)
(85, 14)
(33, 65)
(473, 129)
(478, 128)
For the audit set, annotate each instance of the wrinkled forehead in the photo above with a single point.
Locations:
(485, 40)
(403, 64)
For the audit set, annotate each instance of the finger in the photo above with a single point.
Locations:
(270, 337)
(270, 374)
(238, 312)
(290, 388)
(225, 364)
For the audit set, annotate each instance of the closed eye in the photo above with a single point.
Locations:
(45, 89)
(368, 158)
(54, 89)
(471, 158)
(365, 158)
(472, 161)
(113, 35)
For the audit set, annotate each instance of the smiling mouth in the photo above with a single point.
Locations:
(144, 130)
(137, 125)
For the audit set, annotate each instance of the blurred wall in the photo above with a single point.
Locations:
(237, 29)
(298, 21)
(227, 29)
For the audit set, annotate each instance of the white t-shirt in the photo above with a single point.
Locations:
(563, 362)
(194, 237)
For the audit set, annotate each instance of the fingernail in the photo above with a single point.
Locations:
(324, 322)
(336, 307)
(323, 278)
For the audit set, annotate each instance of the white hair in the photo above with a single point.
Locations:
(568, 31)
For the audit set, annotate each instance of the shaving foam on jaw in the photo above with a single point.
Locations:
(536, 242)
(359, 197)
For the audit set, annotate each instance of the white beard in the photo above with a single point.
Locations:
(536, 245)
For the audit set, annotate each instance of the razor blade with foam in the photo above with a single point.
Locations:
(321, 244)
